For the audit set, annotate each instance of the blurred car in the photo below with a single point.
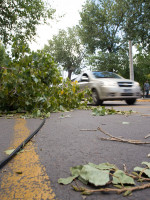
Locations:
(109, 86)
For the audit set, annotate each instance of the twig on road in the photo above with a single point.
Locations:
(113, 138)
(88, 129)
(118, 191)
(147, 136)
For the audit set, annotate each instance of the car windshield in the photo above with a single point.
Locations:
(105, 75)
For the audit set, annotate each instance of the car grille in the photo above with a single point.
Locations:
(126, 94)
(125, 84)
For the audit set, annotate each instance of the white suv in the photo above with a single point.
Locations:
(109, 86)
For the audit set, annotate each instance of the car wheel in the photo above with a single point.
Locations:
(130, 101)
(95, 97)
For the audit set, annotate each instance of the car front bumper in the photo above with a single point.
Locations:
(114, 93)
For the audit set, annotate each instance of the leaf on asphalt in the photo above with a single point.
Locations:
(94, 176)
(146, 163)
(66, 181)
(125, 123)
(100, 111)
(118, 186)
(127, 193)
(75, 171)
(64, 116)
(82, 180)
(104, 166)
(86, 193)
(21, 151)
(145, 171)
(8, 152)
(119, 177)
(19, 172)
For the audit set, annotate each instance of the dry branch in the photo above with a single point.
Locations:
(113, 138)
(147, 136)
(118, 191)
(88, 129)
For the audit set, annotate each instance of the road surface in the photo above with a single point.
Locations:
(62, 143)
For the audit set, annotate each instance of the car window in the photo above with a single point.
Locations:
(105, 75)
(85, 77)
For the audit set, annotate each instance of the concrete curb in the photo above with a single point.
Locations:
(143, 100)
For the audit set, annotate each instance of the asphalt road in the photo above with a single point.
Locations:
(62, 143)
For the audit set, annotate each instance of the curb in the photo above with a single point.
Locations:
(143, 100)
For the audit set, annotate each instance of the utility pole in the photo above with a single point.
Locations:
(131, 61)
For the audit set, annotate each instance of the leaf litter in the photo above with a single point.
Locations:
(102, 111)
(108, 174)
(104, 174)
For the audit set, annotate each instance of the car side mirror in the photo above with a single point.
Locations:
(84, 79)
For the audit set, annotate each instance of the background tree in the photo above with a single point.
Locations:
(107, 25)
(67, 50)
(4, 58)
(136, 25)
(100, 26)
(142, 65)
(30, 81)
(2, 55)
(99, 29)
(19, 18)
(116, 62)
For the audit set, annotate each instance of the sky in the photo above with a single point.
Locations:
(69, 10)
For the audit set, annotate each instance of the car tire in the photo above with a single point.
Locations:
(130, 101)
(95, 97)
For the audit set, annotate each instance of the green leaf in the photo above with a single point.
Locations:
(66, 181)
(38, 113)
(75, 171)
(145, 171)
(103, 166)
(19, 172)
(146, 163)
(82, 180)
(134, 173)
(125, 123)
(100, 111)
(118, 186)
(119, 177)
(8, 152)
(127, 193)
(94, 176)
(86, 193)
(78, 189)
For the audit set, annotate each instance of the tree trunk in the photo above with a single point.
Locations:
(131, 61)
(69, 73)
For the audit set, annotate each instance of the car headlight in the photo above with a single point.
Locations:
(136, 84)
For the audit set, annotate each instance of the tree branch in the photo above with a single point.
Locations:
(113, 138)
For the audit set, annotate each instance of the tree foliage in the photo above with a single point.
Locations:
(25, 83)
(104, 23)
(67, 50)
(19, 18)
(100, 31)
(107, 25)
(142, 66)
(32, 83)
(115, 62)
(99, 26)
(136, 24)
(3, 55)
